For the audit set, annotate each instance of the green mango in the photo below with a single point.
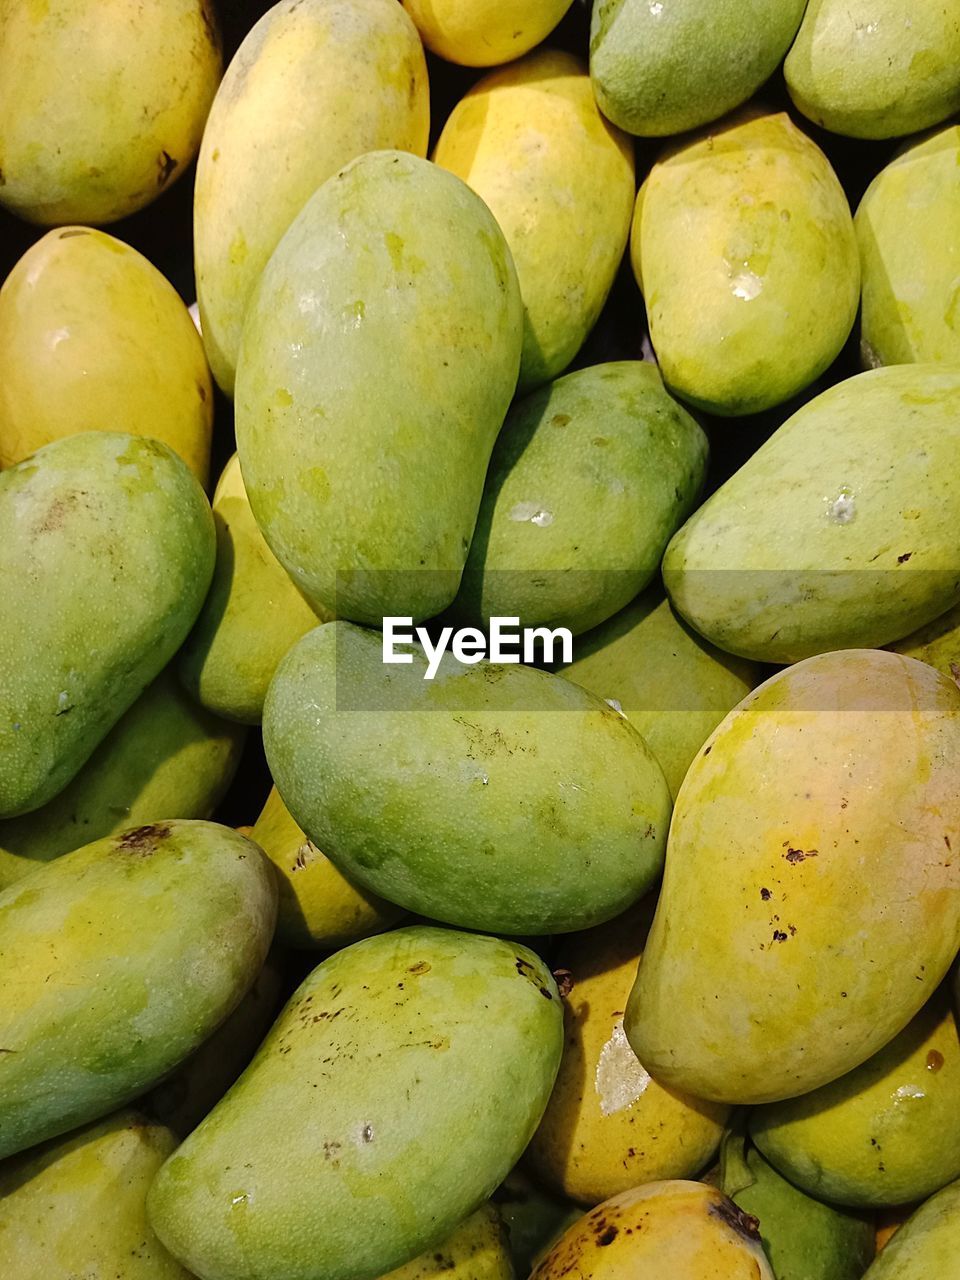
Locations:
(938, 643)
(928, 1243)
(876, 68)
(341, 446)
(908, 228)
(476, 1250)
(787, 560)
(165, 758)
(493, 797)
(744, 248)
(75, 1208)
(251, 616)
(665, 66)
(396, 1090)
(781, 873)
(589, 479)
(106, 553)
(128, 953)
(533, 1218)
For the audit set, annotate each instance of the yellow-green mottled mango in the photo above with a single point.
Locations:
(128, 953)
(802, 924)
(492, 796)
(252, 614)
(314, 84)
(744, 247)
(75, 1207)
(927, 1245)
(876, 68)
(365, 473)
(661, 68)
(398, 1087)
(787, 559)
(106, 552)
(560, 182)
(938, 643)
(589, 479)
(908, 227)
(102, 104)
(482, 33)
(476, 1250)
(93, 338)
(165, 758)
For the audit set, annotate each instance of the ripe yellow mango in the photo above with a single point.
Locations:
(476, 1250)
(938, 643)
(482, 33)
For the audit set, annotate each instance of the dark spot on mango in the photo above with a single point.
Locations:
(607, 1236)
(420, 967)
(934, 1060)
(765, 895)
(142, 840)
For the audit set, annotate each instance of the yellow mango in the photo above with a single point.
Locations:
(481, 33)
(938, 643)
(476, 1250)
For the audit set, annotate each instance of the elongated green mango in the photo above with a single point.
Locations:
(128, 953)
(353, 1142)
(927, 1244)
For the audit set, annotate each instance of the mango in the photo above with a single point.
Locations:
(95, 137)
(783, 873)
(393, 1048)
(938, 643)
(661, 68)
(926, 1245)
(494, 797)
(482, 33)
(314, 84)
(876, 68)
(252, 614)
(744, 248)
(787, 560)
(93, 338)
(340, 449)
(908, 228)
(589, 479)
(128, 953)
(476, 1250)
(106, 553)
(532, 1218)
(559, 179)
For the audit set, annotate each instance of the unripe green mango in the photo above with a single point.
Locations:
(589, 479)
(314, 84)
(784, 876)
(476, 1250)
(398, 1087)
(340, 446)
(876, 68)
(928, 1243)
(106, 553)
(744, 247)
(128, 953)
(482, 33)
(787, 559)
(494, 797)
(665, 66)
(252, 614)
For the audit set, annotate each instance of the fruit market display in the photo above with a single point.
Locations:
(479, 639)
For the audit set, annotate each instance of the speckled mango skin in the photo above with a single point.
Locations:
(314, 84)
(785, 561)
(493, 797)
(560, 181)
(423, 1058)
(128, 953)
(926, 1245)
(476, 1250)
(785, 882)
(94, 138)
(744, 247)
(664, 68)
(876, 68)
(589, 479)
(106, 553)
(483, 33)
(93, 338)
(365, 474)
(908, 228)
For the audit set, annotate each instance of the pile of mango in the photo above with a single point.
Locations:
(636, 322)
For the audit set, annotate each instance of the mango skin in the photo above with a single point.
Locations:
(313, 85)
(483, 33)
(744, 248)
(908, 228)
(128, 952)
(782, 873)
(938, 643)
(560, 181)
(785, 561)
(589, 479)
(468, 798)
(394, 1046)
(476, 1250)
(106, 553)
(93, 338)
(393, 254)
(926, 1245)
(96, 138)
(876, 68)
